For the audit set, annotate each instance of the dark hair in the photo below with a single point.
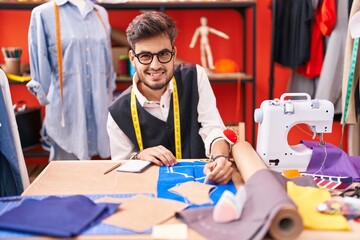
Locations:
(150, 24)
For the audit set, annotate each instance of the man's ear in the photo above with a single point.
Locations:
(131, 57)
(175, 50)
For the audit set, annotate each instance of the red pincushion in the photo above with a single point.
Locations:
(230, 135)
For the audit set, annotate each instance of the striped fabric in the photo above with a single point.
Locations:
(331, 182)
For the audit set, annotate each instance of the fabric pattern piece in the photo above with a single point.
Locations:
(197, 193)
(182, 172)
(150, 210)
(56, 216)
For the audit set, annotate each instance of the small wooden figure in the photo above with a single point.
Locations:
(205, 49)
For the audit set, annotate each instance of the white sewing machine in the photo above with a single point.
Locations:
(276, 118)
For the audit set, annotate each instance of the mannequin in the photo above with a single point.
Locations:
(75, 101)
(205, 49)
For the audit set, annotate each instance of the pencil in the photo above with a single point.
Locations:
(208, 175)
(112, 168)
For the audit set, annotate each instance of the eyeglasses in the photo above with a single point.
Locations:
(163, 56)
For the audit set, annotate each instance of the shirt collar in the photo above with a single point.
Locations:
(88, 5)
(140, 97)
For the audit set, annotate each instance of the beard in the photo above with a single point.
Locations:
(156, 86)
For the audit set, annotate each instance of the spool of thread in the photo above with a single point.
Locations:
(123, 65)
(12, 66)
(287, 224)
(132, 69)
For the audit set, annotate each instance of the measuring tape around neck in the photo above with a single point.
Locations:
(349, 85)
(177, 129)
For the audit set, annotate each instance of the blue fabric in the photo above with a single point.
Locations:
(88, 76)
(56, 216)
(183, 172)
(10, 177)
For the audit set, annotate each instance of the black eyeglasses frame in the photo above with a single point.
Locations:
(153, 54)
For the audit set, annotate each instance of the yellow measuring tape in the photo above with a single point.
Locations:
(58, 49)
(177, 129)
(59, 54)
(349, 85)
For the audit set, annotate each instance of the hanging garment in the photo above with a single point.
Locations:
(301, 84)
(293, 21)
(10, 181)
(88, 76)
(351, 114)
(13, 173)
(324, 22)
(329, 85)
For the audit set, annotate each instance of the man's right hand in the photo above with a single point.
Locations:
(159, 155)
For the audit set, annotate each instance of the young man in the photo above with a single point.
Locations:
(169, 112)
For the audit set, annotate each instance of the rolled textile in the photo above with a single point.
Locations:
(267, 210)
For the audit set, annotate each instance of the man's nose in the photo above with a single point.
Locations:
(155, 62)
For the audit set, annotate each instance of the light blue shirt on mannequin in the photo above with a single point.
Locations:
(88, 75)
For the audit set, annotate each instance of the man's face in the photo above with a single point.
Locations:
(155, 75)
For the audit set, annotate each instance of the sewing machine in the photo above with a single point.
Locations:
(276, 118)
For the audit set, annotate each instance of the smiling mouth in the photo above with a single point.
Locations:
(156, 74)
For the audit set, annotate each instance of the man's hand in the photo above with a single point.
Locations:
(159, 155)
(219, 171)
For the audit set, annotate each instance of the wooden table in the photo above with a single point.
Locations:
(87, 177)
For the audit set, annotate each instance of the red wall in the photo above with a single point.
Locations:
(14, 27)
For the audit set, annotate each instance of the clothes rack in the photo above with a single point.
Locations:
(272, 54)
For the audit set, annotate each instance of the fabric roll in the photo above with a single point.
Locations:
(267, 200)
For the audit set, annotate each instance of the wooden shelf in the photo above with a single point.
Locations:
(134, 4)
(213, 77)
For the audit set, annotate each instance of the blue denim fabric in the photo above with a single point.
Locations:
(10, 177)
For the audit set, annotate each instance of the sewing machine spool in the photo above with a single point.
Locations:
(277, 117)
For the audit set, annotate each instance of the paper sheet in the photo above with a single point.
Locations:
(170, 231)
(195, 192)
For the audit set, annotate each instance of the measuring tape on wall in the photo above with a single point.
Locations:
(177, 129)
(349, 85)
